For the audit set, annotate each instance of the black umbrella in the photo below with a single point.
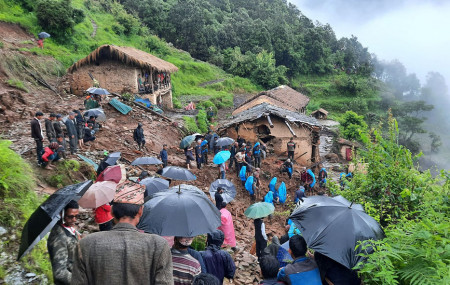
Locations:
(186, 188)
(179, 213)
(177, 173)
(110, 160)
(43, 35)
(224, 141)
(229, 191)
(48, 214)
(154, 185)
(334, 229)
(146, 160)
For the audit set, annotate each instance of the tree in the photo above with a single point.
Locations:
(352, 126)
(58, 17)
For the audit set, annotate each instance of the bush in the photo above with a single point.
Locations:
(190, 125)
(1, 44)
(202, 121)
(352, 126)
(17, 84)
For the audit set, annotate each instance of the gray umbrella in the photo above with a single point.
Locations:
(154, 185)
(98, 91)
(98, 113)
(48, 214)
(146, 160)
(179, 213)
(43, 35)
(178, 173)
(229, 191)
(224, 141)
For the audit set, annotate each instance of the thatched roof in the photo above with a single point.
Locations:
(264, 109)
(283, 96)
(262, 99)
(127, 55)
(323, 111)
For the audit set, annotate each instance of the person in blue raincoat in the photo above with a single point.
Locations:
(250, 186)
(323, 175)
(299, 194)
(242, 175)
(313, 182)
(269, 197)
(282, 193)
(257, 155)
(204, 146)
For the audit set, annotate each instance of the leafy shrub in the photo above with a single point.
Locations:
(17, 84)
(206, 104)
(352, 126)
(1, 44)
(202, 121)
(190, 125)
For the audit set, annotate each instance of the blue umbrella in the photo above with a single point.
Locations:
(221, 157)
(186, 141)
(283, 255)
(43, 35)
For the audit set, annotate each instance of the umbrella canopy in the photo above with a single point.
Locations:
(224, 141)
(187, 188)
(179, 213)
(47, 214)
(347, 203)
(43, 35)
(334, 229)
(229, 191)
(221, 157)
(154, 185)
(146, 160)
(177, 173)
(259, 210)
(186, 141)
(98, 91)
(110, 160)
(98, 194)
(98, 113)
(116, 173)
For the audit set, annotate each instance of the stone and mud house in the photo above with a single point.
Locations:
(347, 148)
(282, 96)
(124, 69)
(274, 126)
(320, 114)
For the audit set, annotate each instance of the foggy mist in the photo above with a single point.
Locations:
(412, 31)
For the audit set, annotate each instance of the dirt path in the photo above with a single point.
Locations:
(211, 82)
(94, 27)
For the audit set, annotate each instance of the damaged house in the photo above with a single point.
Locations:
(124, 69)
(274, 125)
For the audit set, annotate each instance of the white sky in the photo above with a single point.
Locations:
(416, 32)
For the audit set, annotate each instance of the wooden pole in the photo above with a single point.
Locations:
(290, 129)
(269, 120)
(151, 78)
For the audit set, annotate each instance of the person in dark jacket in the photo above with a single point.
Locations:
(269, 269)
(138, 136)
(240, 141)
(218, 198)
(287, 167)
(49, 129)
(59, 126)
(163, 155)
(233, 150)
(72, 132)
(218, 262)
(205, 150)
(335, 272)
(80, 125)
(209, 138)
(88, 133)
(36, 134)
(195, 254)
(215, 146)
(198, 154)
(260, 237)
(303, 270)
(205, 279)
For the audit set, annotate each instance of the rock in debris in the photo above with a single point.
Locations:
(30, 275)
(3, 231)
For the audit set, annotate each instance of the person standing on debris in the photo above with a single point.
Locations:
(138, 136)
(240, 141)
(222, 170)
(198, 154)
(264, 150)
(124, 255)
(62, 146)
(233, 150)
(80, 124)
(49, 129)
(218, 262)
(189, 156)
(59, 126)
(291, 148)
(215, 146)
(257, 155)
(185, 266)
(240, 156)
(303, 270)
(204, 146)
(260, 237)
(227, 226)
(218, 198)
(163, 155)
(37, 135)
(72, 132)
(61, 244)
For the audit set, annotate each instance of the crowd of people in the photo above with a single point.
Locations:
(78, 130)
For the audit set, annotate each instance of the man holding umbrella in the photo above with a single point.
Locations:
(124, 255)
(61, 244)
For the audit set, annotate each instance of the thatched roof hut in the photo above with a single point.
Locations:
(127, 55)
(282, 96)
(320, 114)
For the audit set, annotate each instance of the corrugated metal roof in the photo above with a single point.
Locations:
(264, 109)
(121, 107)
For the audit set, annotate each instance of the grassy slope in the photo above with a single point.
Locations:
(185, 81)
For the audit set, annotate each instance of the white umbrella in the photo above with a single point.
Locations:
(98, 194)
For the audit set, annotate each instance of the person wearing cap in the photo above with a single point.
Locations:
(124, 255)
(49, 129)
(72, 132)
(185, 266)
(50, 154)
(37, 135)
(138, 136)
(62, 242)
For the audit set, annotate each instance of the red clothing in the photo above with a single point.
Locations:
(47, 153)
(40, 43)
(103, 214)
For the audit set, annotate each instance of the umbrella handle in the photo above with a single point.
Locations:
(350, 205)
